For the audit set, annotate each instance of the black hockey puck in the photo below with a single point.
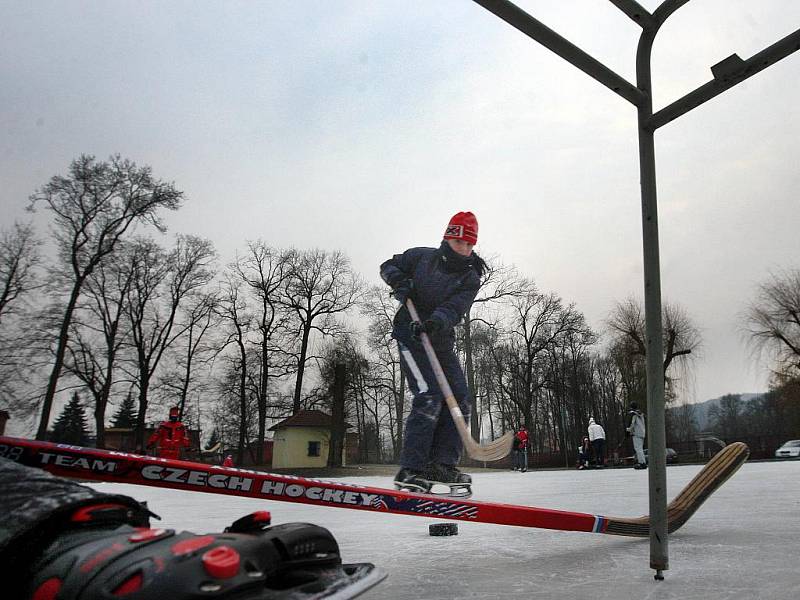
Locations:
(443, 529)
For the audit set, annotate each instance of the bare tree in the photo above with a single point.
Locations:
(488, 391)
(571, 357)
(162, 282)
(198, 320)
(19, 258)
(681, 336)
(727, 416)
(374, 404)
(630, 365)
(538, 321)
(340, 392)
(234, 311)
(352, 387)
(610, 389)
(320, 287)
(773, 320)
(265, 271)
(98, 331)
(497, 283)
(233, 412)
(681, 422)
(379, 309)
(93, 207)
(778, 411)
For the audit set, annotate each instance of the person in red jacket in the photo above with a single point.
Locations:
(228, 462)
(520, 447)
(170, 437)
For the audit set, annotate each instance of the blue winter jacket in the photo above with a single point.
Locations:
(444, 287)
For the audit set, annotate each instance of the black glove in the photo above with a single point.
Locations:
(403, 290)
(395, 278)
(429, 326)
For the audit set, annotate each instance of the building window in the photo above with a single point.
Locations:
(313, 448)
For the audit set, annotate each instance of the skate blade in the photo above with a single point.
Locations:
(455, 495)
(342, 583)
(453, 491)
(462, 492)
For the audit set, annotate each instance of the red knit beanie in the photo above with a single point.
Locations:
(463, 226)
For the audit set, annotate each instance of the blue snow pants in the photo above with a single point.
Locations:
(430, 433)
(520, 459)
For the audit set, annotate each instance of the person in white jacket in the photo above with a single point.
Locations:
(637, 430)
(597, 437)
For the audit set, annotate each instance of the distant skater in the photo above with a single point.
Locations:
(171, 437)
(636, 429)
(520, 449)
(584, 451)
(597, 437)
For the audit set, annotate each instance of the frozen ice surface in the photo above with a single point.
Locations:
(743, 543)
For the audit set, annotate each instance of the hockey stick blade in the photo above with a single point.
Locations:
(490, 451)
(716, 472)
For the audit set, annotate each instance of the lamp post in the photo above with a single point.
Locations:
(726, 74)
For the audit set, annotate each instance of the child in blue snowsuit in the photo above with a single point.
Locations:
(443, 283)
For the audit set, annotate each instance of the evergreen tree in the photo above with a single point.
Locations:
(126, 415)
(70, 427)
(213, 440)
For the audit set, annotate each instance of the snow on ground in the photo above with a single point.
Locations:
(743, 543)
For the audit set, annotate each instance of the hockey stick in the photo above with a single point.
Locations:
(716, 472)
(213, 450)
(494, 450)
(119, 467)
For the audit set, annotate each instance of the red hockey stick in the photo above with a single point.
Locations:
(119, 467)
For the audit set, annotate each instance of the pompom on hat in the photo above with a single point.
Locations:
(463, 226)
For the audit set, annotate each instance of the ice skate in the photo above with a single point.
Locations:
(411, 480)
(460, 484)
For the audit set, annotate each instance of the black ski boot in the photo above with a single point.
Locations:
(460, 484)
(411, 480)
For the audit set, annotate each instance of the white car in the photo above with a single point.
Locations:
(790, 449)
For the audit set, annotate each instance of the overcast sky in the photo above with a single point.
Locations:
(364, 125)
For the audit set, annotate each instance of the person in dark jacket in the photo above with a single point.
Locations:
(584, 451)
(443, 283)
